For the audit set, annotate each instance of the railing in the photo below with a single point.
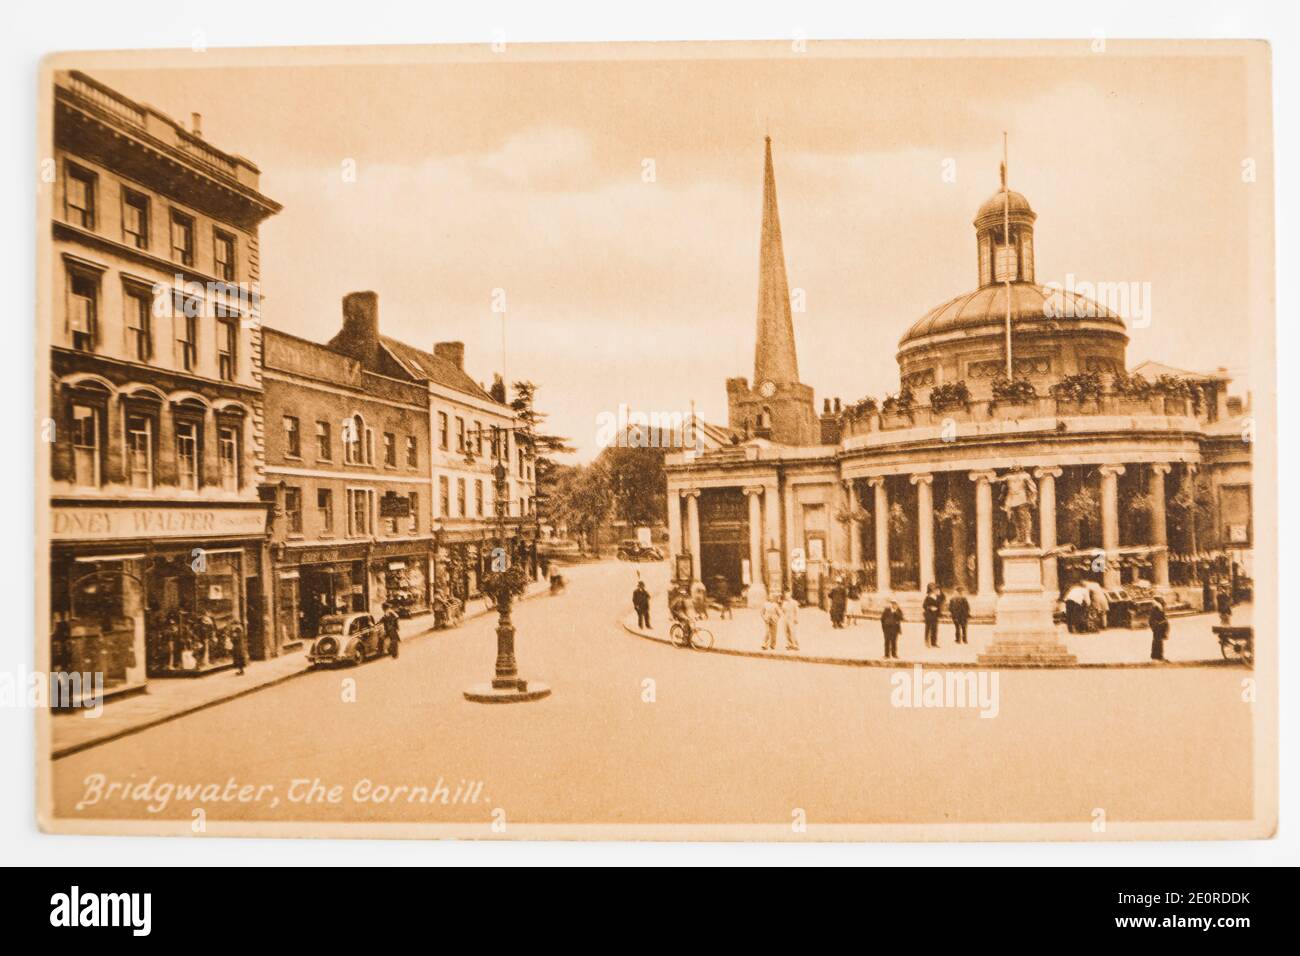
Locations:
(992, 410)
(204, 153)
(106, 99)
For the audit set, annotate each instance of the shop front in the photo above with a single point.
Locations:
(312, 582)
(140, 591)
(400, 576)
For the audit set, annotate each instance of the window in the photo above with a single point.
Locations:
(478, 439)
(79, 197)
(325, 510)
(442, 430)
(228, 451)
(444, 497)
(460, 497)
(83, 309)
(139, 450)
(293, 510)
(187, 312)
(460, 433)
(505, 445)
(478, 498)
(182, 238)
(223, 255)
(85, 445)
(496, 442)
(354, 433)
(139, 324)
(324, 448)
(520, 452)
(390, 450)
(412, 452)
(523, 507)
(413, 522)
(359, 510)
(227, 350)
(187, 454)
(292, 437)
(135, 219)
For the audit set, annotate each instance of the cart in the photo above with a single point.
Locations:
(1236, 642)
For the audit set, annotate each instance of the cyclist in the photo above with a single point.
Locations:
(680, 609)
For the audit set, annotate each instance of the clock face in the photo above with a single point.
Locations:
(767, 389)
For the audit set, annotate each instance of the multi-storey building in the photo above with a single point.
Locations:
(380, 461)
(157, 529)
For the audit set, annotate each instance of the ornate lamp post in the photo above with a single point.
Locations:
(506, 685)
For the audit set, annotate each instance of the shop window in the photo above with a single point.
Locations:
(85, 445)
(83, 309)
(324, 447)
(292, 437)
(79, 197)
(195, 602)
(187, 454)
(139, 450)
(325, 510)
(228, 448)
(390, 450)
(99, 624)
(293, 510)
(139, 323)
(135, 219)
(412, 452)
(182, 227)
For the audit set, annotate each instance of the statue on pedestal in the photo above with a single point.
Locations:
(1019, 503)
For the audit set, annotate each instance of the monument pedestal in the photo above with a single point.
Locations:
(1025, 634)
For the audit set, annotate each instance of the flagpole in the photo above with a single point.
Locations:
(1006, 242)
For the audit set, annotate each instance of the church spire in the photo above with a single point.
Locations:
(774, 352)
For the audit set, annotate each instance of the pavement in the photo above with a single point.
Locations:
(170, 697)
(637, 734)
(1191, 640)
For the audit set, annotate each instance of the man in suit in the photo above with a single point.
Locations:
(931, 608)
(1159, 630)
(891, 623)
(959, 608)
(641, 601)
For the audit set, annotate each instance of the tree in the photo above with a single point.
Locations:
(637, 483)
(541, 445)
(581, 500)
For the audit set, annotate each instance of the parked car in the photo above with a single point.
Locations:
(347, 639)
(630, 549)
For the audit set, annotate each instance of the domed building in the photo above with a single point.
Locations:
(1142, 474)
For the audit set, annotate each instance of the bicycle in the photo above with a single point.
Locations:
(691, 635)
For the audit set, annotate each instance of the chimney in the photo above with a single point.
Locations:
(453, 352)
(196, 124)
(360, 335)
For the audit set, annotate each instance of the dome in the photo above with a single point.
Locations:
(994, 205)
(986, 308)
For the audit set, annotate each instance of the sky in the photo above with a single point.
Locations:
(532, 178)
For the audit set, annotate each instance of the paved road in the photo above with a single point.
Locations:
(719, 739)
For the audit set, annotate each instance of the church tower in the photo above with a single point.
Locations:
(778, 406)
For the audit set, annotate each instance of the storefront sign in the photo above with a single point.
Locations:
(393, 505)
(90, 522)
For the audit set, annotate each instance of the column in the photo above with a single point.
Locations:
(1047, 525)
(881, 513)
(925, 526)
(983, 531)
(693, 529)
(1110, 522)
(854, 526)
(757, 593)
(772, 533)
(674, 523)
(1159, 530)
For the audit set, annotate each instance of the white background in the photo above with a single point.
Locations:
(36, 29)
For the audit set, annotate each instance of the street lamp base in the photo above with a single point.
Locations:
(524, 691)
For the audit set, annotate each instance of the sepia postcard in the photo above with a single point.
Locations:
(781, 441)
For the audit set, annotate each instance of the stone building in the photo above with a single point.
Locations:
(155, 416)
(1142, 475)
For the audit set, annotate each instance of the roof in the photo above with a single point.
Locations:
(1153, 370)
(422, 364)
(987, 306)
(995, 205)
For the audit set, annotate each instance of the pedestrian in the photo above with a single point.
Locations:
(891, 623)
(700, 599)
(790, 621)
(931, 607)
(853, 601)
(1076, 603)
(771, 622)
(959, 609)
(1159, 630)
(722, 594)
(1223, 602)
(391, 630)
(839, 601)
(641, 601)
(1207, 593)
(238, 647)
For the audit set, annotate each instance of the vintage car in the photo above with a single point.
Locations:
(347, 639)
(629, 549)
